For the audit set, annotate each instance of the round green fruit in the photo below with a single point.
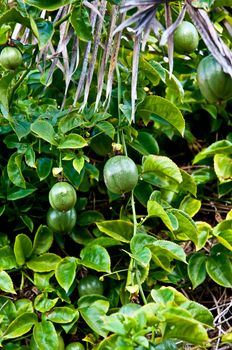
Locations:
(90, 284)
(10, 58)
(215, 85)
(185, 38)
(75, 346)
(61, 222)
(120, 174)
(62, 196)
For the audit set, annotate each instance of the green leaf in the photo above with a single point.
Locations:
(6, 283)
(66, 272)
(73, 141)
(156, 210)
(156, 105)
(89, 217)
(225, 238)
(23, 305)
(43, 167)
(45, 335)
(222, 146)
(7, 258)
(27, 221)
(107, 128)
(44, 33)
(187, 228)
(138, 246)
(161, 171)
(197, 269)
(188, 184)
(22, 248)
(44, 263)
(145, 143)
(181, 325)
(78, 164)
(14, 170)
(95, 257)
(19, 193)
(190, 205)
(43, 240)
(223, 167)
(92, 312)
(62, 314)
(43, 304)
(219, 268)
(81, 24)
(50, 5)
(70, 121)
(5, 90)
(227, 338)
(120, 230)
(222, 226)
(169, 249)
(14, 16)
(44, 130)
(20, 326)
(204, 232)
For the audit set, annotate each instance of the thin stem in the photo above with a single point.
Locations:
(140, 288)
(55, 25)
(124, 144)
(134, 212)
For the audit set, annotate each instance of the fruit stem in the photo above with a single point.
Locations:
(140, 287)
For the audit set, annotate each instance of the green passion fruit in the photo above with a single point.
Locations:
(61, 222)
(90, 284)
(75, 346)
(62, 196)
(10, 58)
(214, 84)
(185, 38)
(120, 174)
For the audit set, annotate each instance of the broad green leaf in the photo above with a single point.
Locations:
(196, 269)
(43, 240)
(138, 246)
(70, 121)
(190, 205)
(14, 16)
(227, 338)
(95, 257)
(92, 313)
(107, 128)
(66, 272)
(50, 5)
(161, 171)
(219, 268)
(8, 312)
(222, 226)
(81, 24)
(199, 312)
(43, 167)
(169, 249)
(42, 281)
(72, 141)
(6, 283)
(19, 193)
(223, 167)
(27, 221)
(20, 326)
(204, 232)
(78, 164)
(4, 31)
(14, 170)
(44, 130)
(45, 335)
(44, 263)
(187, 228)
(43, 304)
(7, 258)
(5, 90)
(145, 143)
(61, 314)
(181, 325)
(156, 105)
(156, 210)
(225, 238)
(22, 248)
(218, 147)
(120, 230)
(188, 184)
(45, 32)
(23, 305)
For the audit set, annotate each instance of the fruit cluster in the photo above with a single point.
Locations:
(61, 216)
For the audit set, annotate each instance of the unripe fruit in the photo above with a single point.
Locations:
(215, 85)
(62, 196)
(185, 38)
(120, 174)
(61, 222)
(10, 58)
